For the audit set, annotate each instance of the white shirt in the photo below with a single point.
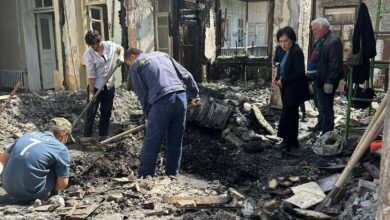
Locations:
(98, 67)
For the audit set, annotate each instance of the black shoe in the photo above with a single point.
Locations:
(315, 128)
(282, 145)
(287, 152)
(324, 132)
(295, 144)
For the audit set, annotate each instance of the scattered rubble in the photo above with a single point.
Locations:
(231, 167)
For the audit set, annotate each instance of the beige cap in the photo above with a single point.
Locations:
(62, 124)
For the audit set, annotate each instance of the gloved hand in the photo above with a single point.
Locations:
(90, 96)
(328, 88)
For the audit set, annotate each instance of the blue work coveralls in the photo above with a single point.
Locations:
(158, 82)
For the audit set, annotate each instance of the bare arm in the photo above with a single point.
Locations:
(4, 158)
(91, 84)
(61, 183)
(121, 53)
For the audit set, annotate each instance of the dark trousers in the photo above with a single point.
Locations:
(324, 103)
(166, 119)
(288, 124)
(105, 99)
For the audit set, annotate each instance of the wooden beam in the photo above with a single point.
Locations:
(260, 118)
(383, 205)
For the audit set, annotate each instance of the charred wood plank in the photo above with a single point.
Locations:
(212, 114)
(260, 118)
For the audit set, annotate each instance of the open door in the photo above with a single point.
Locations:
(47, 53)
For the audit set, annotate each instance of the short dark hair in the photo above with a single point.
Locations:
(288, 31)
(132, 51)
(92, 37)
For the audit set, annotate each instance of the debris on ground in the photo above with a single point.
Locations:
(231, 165)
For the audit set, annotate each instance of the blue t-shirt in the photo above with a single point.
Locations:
(35, 161)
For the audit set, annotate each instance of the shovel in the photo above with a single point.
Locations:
(90, 141)
(93, 142)
(118, 63)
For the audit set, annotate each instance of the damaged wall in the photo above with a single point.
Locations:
(12, 49)
(71, 46)
(140, 24)
(286, 13)
(210, 41)
(303, 31)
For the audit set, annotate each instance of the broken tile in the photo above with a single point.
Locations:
(305, 199)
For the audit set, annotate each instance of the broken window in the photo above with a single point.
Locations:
(163, 38)
(97, 23)
(342, 20)
(244, 29)
(43, 3)
(98, 18)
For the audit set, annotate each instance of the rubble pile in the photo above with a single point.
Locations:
(32, 111)
(231, 165)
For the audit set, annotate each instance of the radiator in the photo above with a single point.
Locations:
(9, 78)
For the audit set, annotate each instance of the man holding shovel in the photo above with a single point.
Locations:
(99, 61)
(158, 82)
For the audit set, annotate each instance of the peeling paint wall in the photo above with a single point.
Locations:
(210, 41)
(287, 13)
(71, 46)
(12, 50)
(303, 31)
(140, 24)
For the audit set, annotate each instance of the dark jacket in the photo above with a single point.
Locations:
(330, 65)
(155, 75)
(363, 31)
(279, 53)
(295, 88)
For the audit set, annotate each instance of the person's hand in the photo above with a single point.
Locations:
(328, 88)
(195, 103)
(120, 60)
(279, 82)
(90, 96)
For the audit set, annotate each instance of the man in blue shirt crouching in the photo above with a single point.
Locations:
(37, 164)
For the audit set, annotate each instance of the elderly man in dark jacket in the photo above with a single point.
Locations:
(328, 59)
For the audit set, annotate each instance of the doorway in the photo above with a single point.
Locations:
(47, 52)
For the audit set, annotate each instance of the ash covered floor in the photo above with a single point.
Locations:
(224, 174)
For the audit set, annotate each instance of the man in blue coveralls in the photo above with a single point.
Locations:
(157, 81)
(37, 164)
